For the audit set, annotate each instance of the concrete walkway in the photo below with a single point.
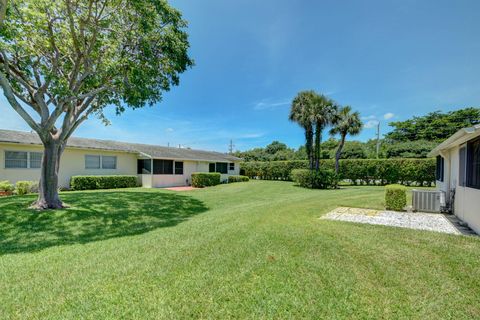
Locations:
(187, 188)
(418, 220)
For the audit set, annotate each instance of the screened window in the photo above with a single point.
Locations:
(16, 159)
(92, 162)
(231, 166)
(462, 167)
(222, 167)
(473, 164)
(36, 160)
(144, 166)
(109, 162)
(178, 167)
(211, 167)
(440, 168)
(162, 166)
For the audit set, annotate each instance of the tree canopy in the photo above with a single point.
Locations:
(435, 126)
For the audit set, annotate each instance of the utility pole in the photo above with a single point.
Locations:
(230, 147)
(378, 139)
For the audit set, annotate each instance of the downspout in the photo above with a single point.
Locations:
(446, 178)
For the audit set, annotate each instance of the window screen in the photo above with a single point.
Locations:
(162, 166)
(144, 166)
(109, 162)
(222, 167)
(16, 159)
(462, 155)
(473, 164)
(440, 168)
(231, 166)
(92, 162)
(211, 167)
(36, 160)
(178, 167)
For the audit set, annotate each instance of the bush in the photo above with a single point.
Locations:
(26, 187)
(357, 171)
(395, 197)
(232, 179)
(102, 182)
(323, 179)
(204, 179)
(6, 186)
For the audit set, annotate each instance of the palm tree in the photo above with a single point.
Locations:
(299, 113)
(322, 114)
(345, 122)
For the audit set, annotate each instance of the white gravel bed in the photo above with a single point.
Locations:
(417, 220)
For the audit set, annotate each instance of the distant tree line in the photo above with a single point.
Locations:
(412, 138)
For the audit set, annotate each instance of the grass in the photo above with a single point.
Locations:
(245, 250)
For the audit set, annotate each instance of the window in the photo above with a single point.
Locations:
(92, 162)
(178, 167)
(440, 168)
(23, 160)
(222, 167)
(162, 166)
(109, 162)
(473, 164)
(462, 155)
(231, 166)
(211, 167)
(36, 160)
(144, 166)
(16, 159)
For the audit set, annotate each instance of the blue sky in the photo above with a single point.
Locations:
(388, 59)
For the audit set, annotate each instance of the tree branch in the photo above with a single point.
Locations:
(7, 90)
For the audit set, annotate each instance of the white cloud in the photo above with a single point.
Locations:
(251, 135)
(388, 116)
(370, 117)
(265, 104)
(371, 124)
(169, 130)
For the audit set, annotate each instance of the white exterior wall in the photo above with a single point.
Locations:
(72, 163)
(467, 200)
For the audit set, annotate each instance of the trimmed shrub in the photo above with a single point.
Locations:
(6, 186)
(26, 187)
(232, 179)
(102, 182)
(323, 179)
(205, 179)
(395, 197)
(357, 171)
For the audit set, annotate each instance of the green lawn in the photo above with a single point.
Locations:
(246, 250)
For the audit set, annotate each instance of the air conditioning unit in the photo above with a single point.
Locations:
(428, 201)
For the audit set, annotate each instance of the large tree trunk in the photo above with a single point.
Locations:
(338, 154)
(48, 186)
(309, 146)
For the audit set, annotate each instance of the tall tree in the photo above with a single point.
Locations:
(434, 126)
(322, 114)
(300, 113)
(65, 60)
(345, 122)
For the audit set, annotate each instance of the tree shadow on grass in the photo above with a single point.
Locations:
(93, 216)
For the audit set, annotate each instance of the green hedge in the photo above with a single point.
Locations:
(102, 182)
(232, 179)
(26, 187)
(395, 197)
(323, 179)
(203, 179)
(357, 171)
(6, 186)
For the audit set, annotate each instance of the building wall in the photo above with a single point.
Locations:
(467, 200)
(72, 163)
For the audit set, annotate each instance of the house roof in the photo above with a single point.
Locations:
(28, 138)
(459, 137)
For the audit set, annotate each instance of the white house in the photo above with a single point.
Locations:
(156, 166)
(458, 174)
